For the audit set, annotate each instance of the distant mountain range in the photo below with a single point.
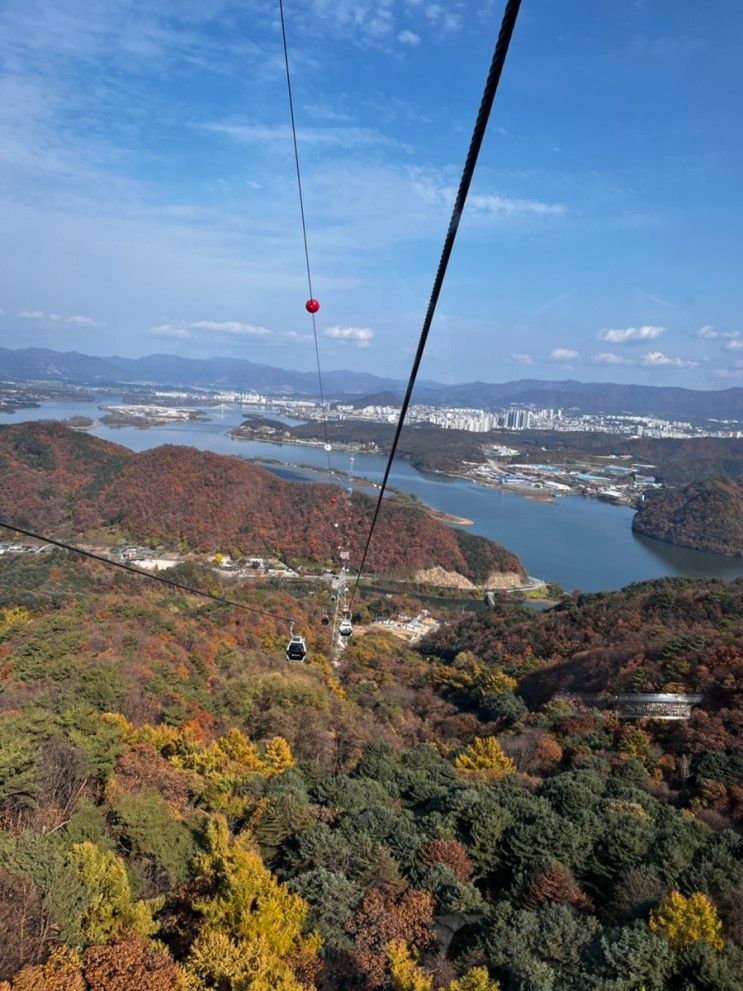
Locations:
(27, 364)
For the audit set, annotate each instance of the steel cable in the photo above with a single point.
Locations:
(505, 34)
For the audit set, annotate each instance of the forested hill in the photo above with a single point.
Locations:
(180, 810)
(705, 515)
(669, 635)
(61, 482)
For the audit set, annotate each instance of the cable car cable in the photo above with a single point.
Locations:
(505, 34)
(311, 301)
(312, 306)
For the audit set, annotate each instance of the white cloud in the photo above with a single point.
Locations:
(361, 336)
(409, 38)
(630, 334)
(728, 373)
(490, 204)
(655, 358)
(321, 111)
(230, 327)
(734, 345)
(78, 320)
(509, 206)
(562, 354)
(608, 358)
(522, 358)
(708, 333)
(440, 17)
(279, 136)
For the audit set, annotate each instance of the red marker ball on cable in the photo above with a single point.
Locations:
(333, 501)
(312, 306)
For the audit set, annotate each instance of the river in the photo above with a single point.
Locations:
(581, 543)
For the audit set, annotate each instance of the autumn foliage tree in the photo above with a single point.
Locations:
(407, 975)
(684, 921)
(448, 853)
(251, 928)
(111, 909)
(556, 884)
(380, 921)
(484, 760)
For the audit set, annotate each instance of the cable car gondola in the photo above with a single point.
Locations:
(296, 649)
(345, 629)
(325, 619)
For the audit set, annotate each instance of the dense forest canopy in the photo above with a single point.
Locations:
(706, 515)
(57, 481)
(179, 809)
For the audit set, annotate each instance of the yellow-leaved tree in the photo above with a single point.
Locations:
(684, 921)
(279, 756)
(111, 910)
(406, 975)
(484, 759)
(250, 935)
(14, 616)
(476, 979)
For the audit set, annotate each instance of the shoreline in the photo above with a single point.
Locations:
(449, 518)
(533, 494)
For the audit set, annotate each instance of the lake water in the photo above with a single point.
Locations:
(581, 543)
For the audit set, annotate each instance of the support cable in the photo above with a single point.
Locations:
(304, 231)
(312, 305)
(508, 23)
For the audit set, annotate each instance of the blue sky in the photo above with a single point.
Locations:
(147, 198)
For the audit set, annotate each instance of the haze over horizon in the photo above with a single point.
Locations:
(147, 200)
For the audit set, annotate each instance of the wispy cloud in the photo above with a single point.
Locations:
(76, 320)
(609, 358)
(410, 38)
(563, 354)
(229, 328)
(522, 358)
(321, 111)
(728, 373)
(360, 336)
(710, 333)
(630, 335)
(491, 204)
(170, 330)
(654, 359)
(734, 345)
(280, 136)
(80, 320)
